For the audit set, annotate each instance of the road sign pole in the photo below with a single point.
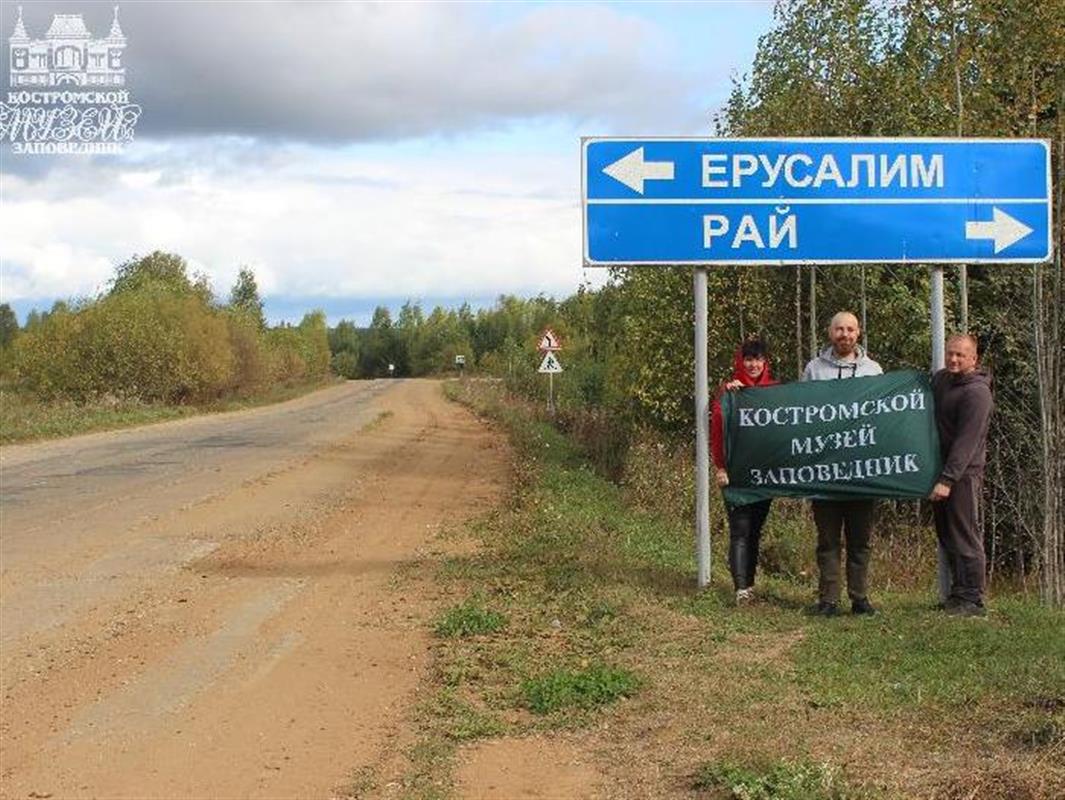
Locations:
(939, 360)
(939, 352)
(702, 432)
(963, 298)
(551, 393)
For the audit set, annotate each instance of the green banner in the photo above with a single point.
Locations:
(839, 439)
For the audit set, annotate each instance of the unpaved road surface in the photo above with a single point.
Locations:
(210, 608)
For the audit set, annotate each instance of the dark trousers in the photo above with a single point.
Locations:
(854, 518)
(958, 527)
(744, 535)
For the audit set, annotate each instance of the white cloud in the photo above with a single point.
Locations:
(358, 149)
(344, 71)
(320, 222)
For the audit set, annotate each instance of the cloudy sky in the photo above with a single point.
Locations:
(356, 153)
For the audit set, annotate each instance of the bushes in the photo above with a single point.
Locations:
(299, 353)
(251, 361)
(148, 344)
(158, 337)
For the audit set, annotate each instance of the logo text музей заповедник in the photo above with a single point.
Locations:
(67, 91)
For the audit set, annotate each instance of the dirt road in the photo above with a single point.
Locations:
(210, 607)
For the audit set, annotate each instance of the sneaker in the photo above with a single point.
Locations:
(862, 606)
(963, 608)
(825, 609)
(744, 597)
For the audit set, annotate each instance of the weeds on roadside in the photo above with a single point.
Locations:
(469, 619)
(586, 579)
(785, 780)
(586, 688)
(23, 418)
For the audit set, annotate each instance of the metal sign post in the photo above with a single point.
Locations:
(702, 431)
(939, 360)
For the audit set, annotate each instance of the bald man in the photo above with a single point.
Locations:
(843, 358)
(963, 412)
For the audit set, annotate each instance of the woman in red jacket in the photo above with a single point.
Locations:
(750, 368)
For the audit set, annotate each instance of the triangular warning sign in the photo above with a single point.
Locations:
(548, 342)
(550, 364)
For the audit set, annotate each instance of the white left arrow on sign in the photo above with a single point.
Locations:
(632, 170)
(1003, 229)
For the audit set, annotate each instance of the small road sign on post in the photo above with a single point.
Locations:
(550, 365)
(548, 342)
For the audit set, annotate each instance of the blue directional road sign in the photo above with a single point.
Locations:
(815, 201)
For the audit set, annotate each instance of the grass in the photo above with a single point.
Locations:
(469, 619)
(916, 658)
(762, 701)
(586, 688)
(26, 419)
(785, 780)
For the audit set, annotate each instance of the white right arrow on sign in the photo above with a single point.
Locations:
(632, 170)
(1003, 229)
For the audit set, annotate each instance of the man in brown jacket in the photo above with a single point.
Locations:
(963, 409)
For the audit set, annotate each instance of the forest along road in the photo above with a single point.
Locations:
(215, 607)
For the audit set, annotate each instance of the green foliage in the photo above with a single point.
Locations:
(24, 418)
(244, 297)
(380, 346)
(149, 343)
(344, 346)
(161, 272)
(920, 658)
(591, 687)
(439, 339)
(469, 619)
(8, 325)
(314, 341)
(157, 337)
(299, 353)
(251, 361)
(784, 780)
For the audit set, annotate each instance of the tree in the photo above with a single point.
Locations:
(314, 343)
(345, 344)
(159, 270)
(441, 338)
(8, 325)
(244, 297)
(381, 346)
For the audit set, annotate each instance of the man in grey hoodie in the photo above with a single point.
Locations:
(963, 411)
(844, 358)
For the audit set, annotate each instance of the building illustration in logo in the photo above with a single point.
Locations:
(68, 55)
